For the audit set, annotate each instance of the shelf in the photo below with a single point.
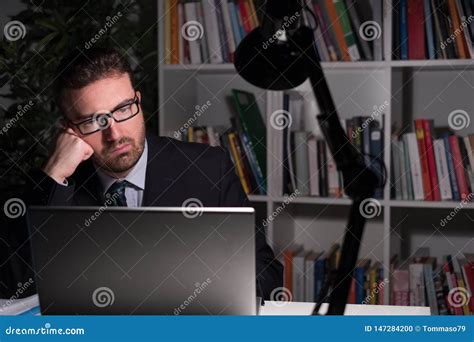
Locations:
(445, 64)
(442, 64)
(430, 204)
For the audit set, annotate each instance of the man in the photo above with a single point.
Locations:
(103, 150)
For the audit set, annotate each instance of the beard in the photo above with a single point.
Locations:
(124, 161)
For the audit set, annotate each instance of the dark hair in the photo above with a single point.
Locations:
(81, 68)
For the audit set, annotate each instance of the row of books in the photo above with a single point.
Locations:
(305, 273)
(306, 162)
(209, 31)
(206, 31)
(348, 30)
(245, 140)
(432, 164)
(446, 287)
(433, 29)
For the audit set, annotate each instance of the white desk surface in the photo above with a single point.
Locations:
(303, 309)
(269, 309)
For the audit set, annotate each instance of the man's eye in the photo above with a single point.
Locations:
(88, 124)
(124, 109)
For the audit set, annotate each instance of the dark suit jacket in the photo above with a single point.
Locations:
(175, 172)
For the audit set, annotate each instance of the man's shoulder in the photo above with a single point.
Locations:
(180, 150)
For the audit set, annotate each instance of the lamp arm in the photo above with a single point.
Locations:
(359, 183)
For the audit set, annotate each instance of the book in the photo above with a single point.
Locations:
(253, 125)
(416, 31)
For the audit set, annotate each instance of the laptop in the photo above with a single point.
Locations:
(144, 261)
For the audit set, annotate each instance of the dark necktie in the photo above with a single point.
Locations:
(115, 195)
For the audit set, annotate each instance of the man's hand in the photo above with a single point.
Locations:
(69, 152)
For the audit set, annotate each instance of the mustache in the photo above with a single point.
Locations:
(113, 145)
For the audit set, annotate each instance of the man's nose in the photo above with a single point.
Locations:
(112, 132)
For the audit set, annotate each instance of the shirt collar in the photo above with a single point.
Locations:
(136, 177)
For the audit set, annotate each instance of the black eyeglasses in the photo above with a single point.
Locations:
(101, 121)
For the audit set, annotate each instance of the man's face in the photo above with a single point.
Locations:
(118, 147)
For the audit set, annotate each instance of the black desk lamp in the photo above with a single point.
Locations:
(281, 54)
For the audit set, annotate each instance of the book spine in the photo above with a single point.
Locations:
(415, 166)
(451, 171)
(212, 31)
(458, 167)
(337, 29)
(324, 30)
(442, 169)
(347, 30)
(313, 166)
(228, 29)
(175, 34)
(429, 30)
(403, 30)
(420, 136)
(416, 31)
(427, 127)
(456, 25)
(377, 9)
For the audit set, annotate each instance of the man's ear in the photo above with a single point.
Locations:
(139, 95)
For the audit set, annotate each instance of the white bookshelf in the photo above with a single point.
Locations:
(414, 89)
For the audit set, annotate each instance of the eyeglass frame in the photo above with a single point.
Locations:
(110, 115)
